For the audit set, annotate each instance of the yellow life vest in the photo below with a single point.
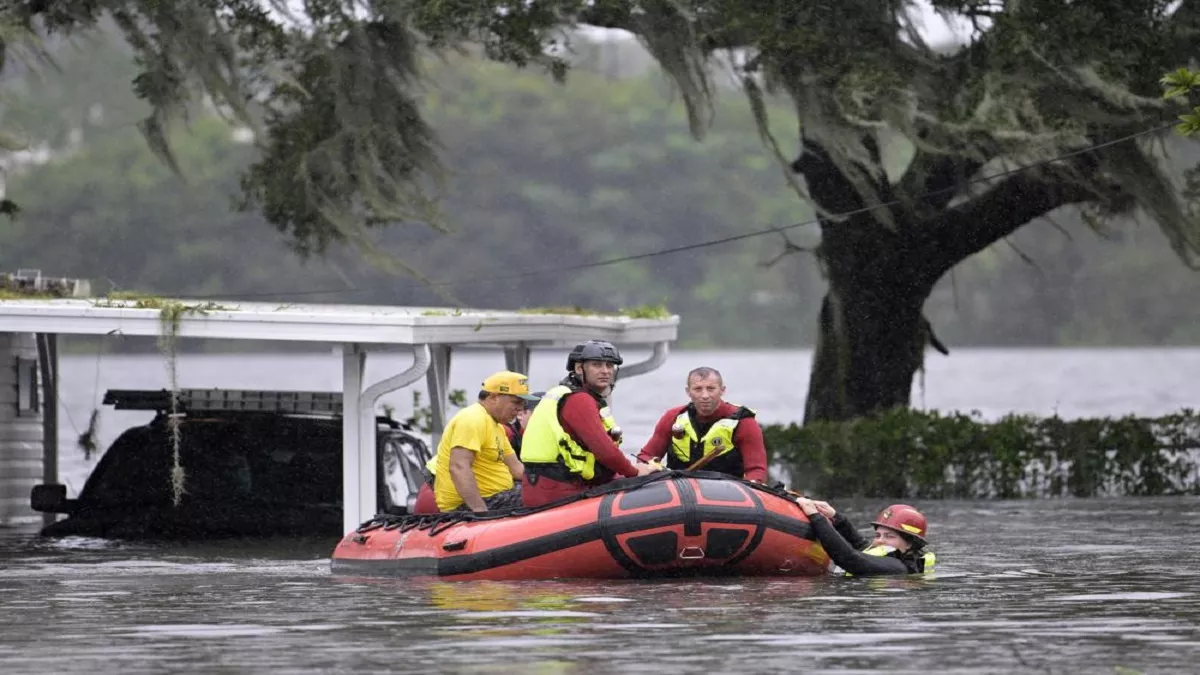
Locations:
(925, 562)
(546, 442)
(718, 440)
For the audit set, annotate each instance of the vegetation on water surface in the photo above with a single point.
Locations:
(911, 454)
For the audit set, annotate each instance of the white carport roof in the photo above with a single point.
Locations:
(431, 332)
(361, 324)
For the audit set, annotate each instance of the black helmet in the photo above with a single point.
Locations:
(594, 350)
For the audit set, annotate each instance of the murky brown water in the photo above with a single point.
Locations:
(1069, 586)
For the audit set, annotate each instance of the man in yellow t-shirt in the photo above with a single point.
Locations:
(476, 465)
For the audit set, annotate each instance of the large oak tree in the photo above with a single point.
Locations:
(334, 93)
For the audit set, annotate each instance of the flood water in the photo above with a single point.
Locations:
(1065, 586)
(1037, 586)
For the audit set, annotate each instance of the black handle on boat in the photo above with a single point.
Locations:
(653, 461)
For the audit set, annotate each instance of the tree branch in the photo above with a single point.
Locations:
(789, 247)
(1058, 226)
(1025, 257)
(828, 187)
(932, 338)
(966, 229)
(936, 173)
(607, 15)
(934, 178)
(618, 14)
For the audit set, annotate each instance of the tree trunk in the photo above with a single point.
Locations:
(871, 333)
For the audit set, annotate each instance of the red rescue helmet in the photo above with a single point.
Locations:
(905, 520)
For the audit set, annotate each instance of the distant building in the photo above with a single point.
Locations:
(31, 282)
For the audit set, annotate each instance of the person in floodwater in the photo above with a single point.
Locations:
(898, 546)
(724, 435)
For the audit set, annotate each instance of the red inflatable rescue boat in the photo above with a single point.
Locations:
(668, 524)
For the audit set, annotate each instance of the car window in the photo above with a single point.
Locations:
(130, 472)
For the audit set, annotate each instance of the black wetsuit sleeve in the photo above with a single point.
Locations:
(850, 560)
(850, 533)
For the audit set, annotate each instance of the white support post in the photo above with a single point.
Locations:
(354, 492)
(437, 379)
(47, 344)
(516, 358)
(369, 439)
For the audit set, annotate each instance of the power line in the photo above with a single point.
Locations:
(713, 242)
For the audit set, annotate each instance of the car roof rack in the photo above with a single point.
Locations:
(228, 400)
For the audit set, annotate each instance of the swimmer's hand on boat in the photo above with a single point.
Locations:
(812, 507)
(647, 468)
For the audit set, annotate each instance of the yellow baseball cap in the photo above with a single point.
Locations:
(508, 382)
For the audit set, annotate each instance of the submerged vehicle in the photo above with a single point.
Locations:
(255, 463)
(667, 524)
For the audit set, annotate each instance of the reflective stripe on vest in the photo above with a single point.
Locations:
(879, 551)
(546, 442)
(717, 441)
(925, 562)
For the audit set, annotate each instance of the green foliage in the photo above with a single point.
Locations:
(639, 312)
(335, 101)
(422, 415)
(346, 143)
(91, 196)
(596, 169)
(928, 455)
(84, 93)
(111, 212)
(563, 183)
(1056, 283)
(578, 175)
(647, 312)
(345, 140)
(1181, 84)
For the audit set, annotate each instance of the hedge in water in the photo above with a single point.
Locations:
(906, 453)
